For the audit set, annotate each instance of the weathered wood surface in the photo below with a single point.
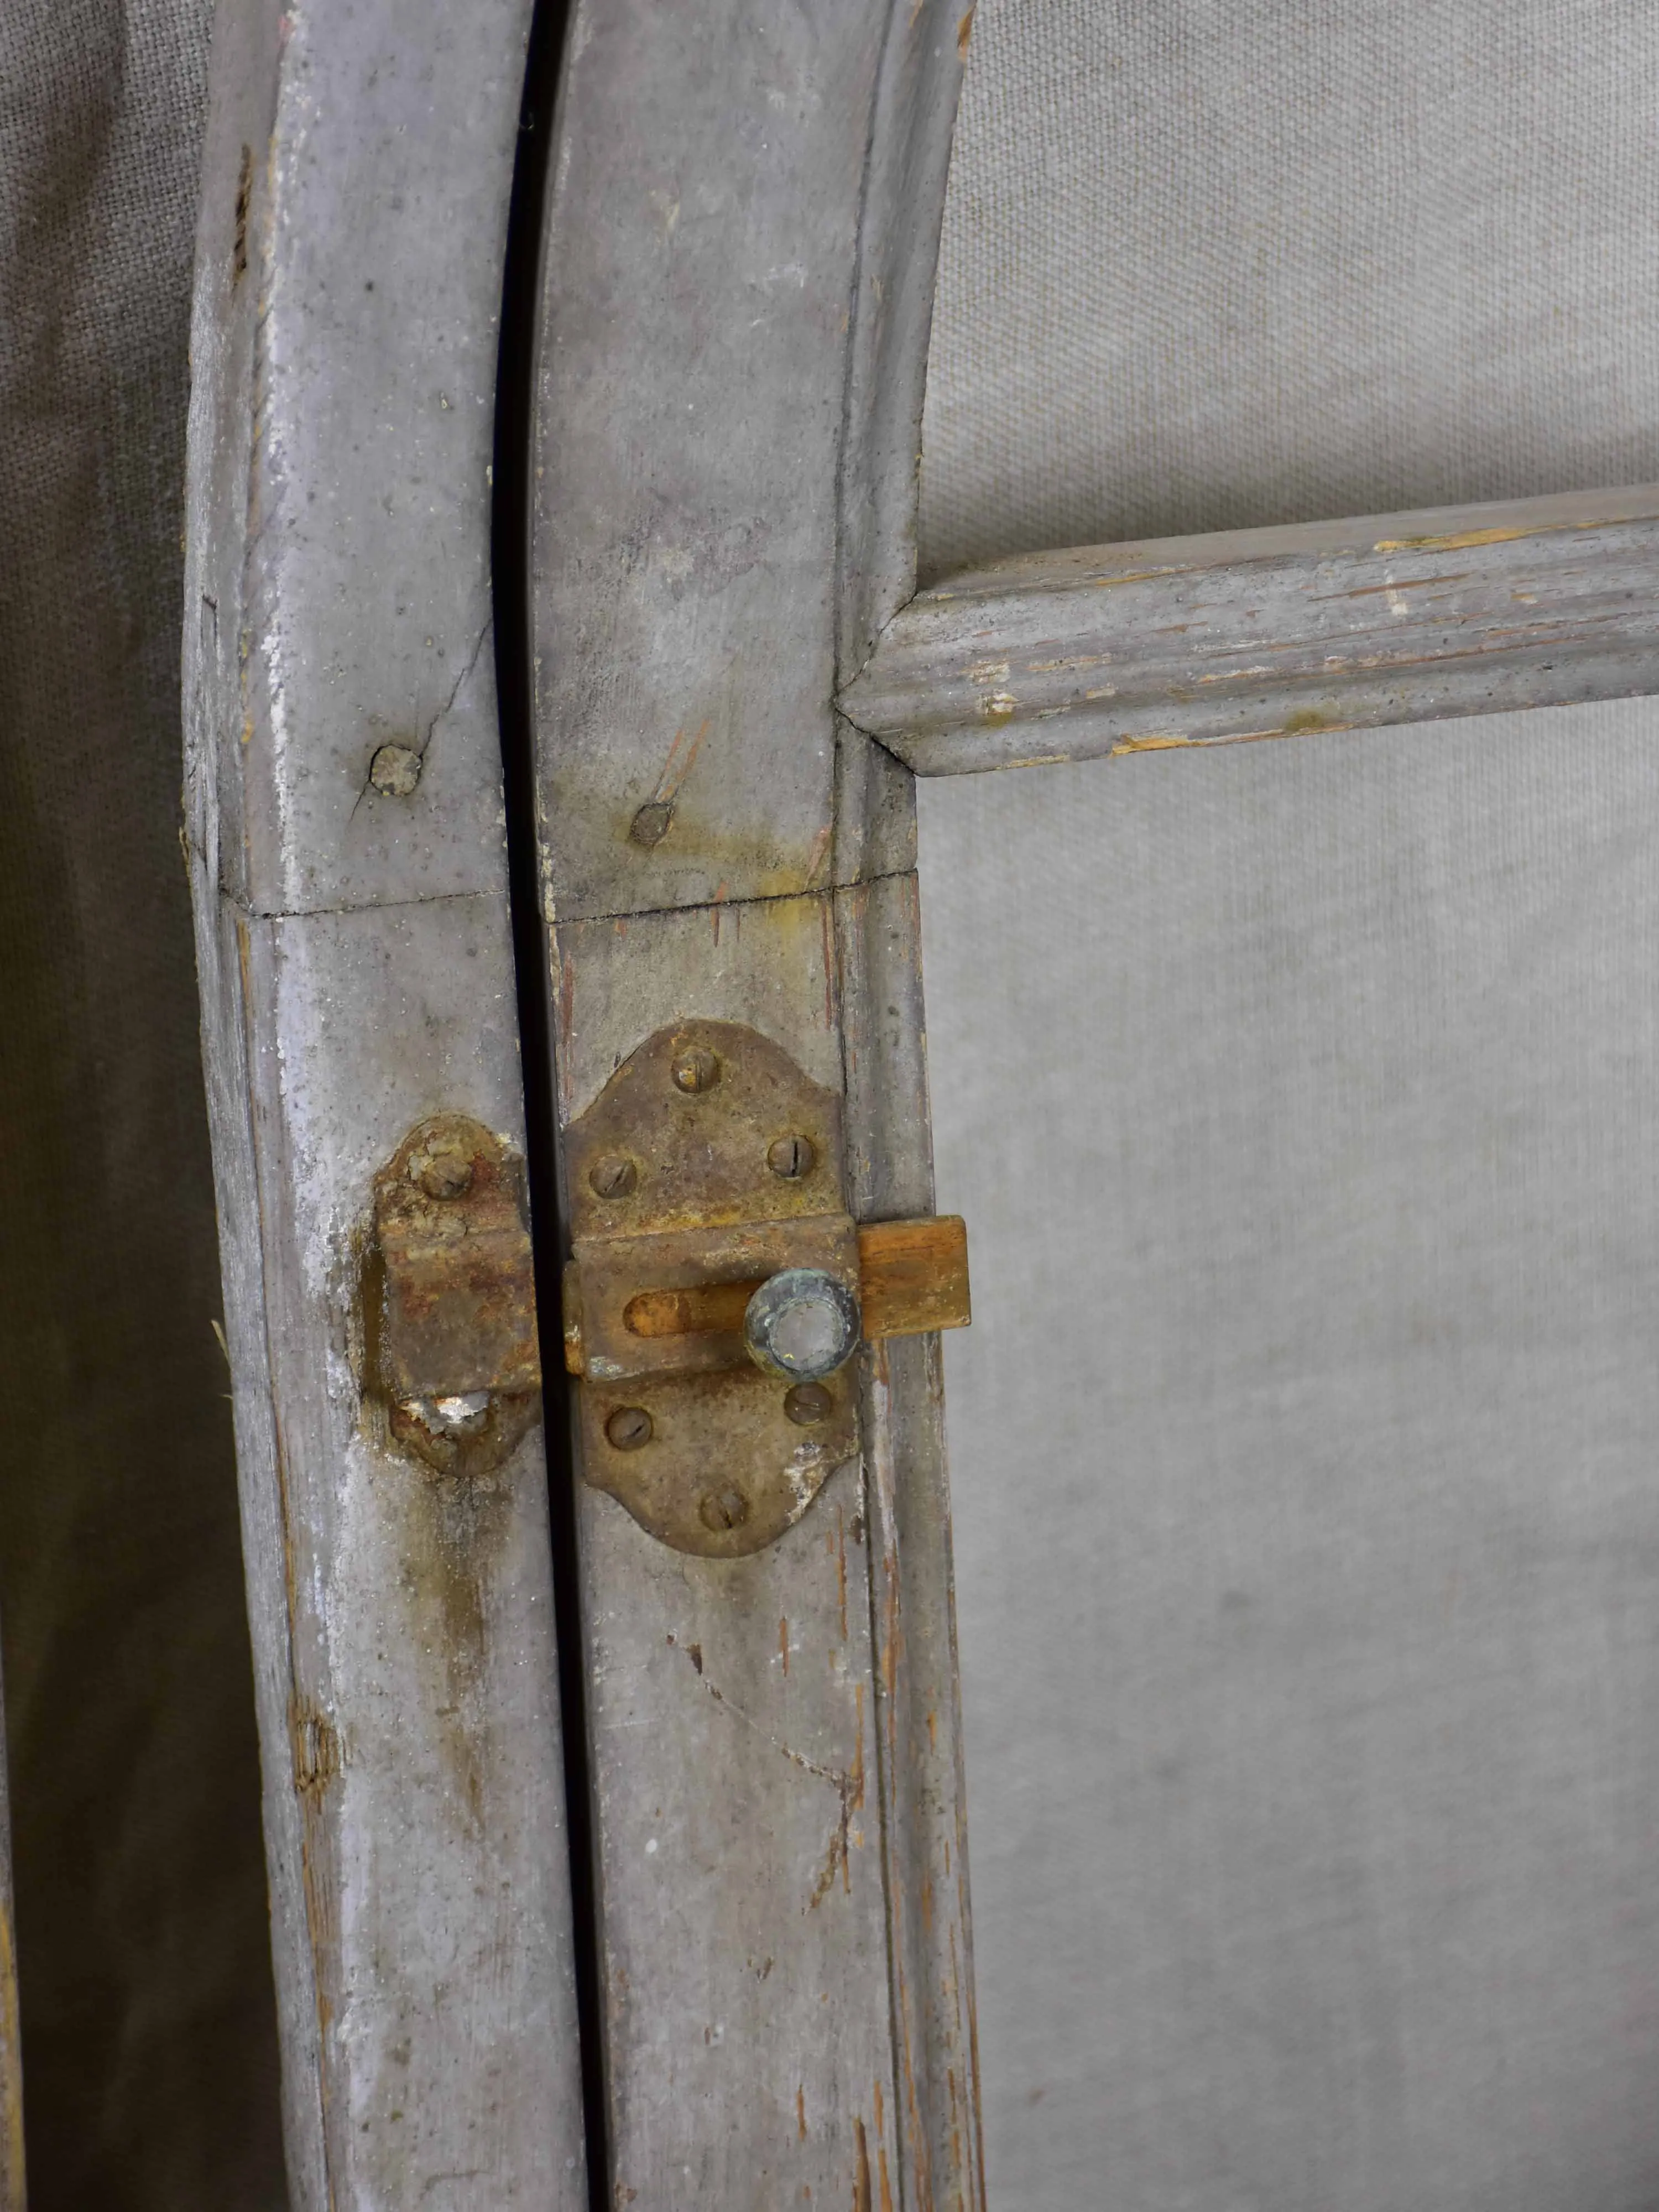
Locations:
(739, 282)
(924, 1792)
(732, 1713)
(1271, 632)
(357, 976)
(700, 291)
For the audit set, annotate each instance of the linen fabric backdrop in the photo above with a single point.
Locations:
(148, 2018)
(1303, 1101)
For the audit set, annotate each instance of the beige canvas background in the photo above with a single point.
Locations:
(149, 2077)
(1301, 1098)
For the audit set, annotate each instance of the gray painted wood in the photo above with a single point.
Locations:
(344, 349)
(732, 1721)
(916, 89)
(917, 85)
(924, 1790)
(356, 976)
(1272, 633)
(704, 264)
(740, 273)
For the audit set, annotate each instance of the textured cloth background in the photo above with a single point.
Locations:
(1303, 1100)
(1211, 264)
(149, 2065)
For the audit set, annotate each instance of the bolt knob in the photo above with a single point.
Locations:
(801, 1324)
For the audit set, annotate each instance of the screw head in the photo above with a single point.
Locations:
(792, 1158)
(395, 771)
(801, 1324)
(808, 1404)
(695, 1069)
(613, 1178)
(724, 1509)
(444, 1172)
(629, 1427)
(650, 825)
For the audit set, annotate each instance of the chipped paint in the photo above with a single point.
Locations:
(1393, 589)
(1103, 583)
(1237, 627)
(861, 2201)
(1455, 541)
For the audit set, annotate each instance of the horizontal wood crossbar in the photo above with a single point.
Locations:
(1271, 632)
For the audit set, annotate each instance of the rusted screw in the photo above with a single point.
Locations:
(695, 1069)
(808, 1404)
(444, 1174)
(724, 1509)
(650, 825)
(792, 1158)
(613, 1178)
(629, 1427)
(395, 771)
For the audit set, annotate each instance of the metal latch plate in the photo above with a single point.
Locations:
(719, 1288)
(449, 1296)
(709, 1161)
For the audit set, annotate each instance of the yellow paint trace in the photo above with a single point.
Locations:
(1462, 538)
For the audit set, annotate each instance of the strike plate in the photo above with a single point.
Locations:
(707, 1171)
(708, 1162)
(449, 1297)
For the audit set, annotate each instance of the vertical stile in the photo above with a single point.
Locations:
(738, 283)
(349, 880)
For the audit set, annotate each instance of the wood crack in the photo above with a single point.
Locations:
(848, 1787)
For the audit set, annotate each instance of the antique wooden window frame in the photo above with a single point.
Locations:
(734, 682)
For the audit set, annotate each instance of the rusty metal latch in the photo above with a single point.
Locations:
(449, 1297)
(719, 1288)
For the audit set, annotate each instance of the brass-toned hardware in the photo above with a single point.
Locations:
(449, 1305)
(719, 1289)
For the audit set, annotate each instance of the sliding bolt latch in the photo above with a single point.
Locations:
(719, 1290)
